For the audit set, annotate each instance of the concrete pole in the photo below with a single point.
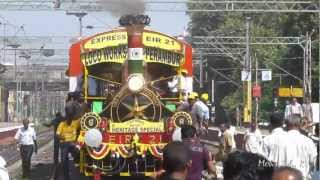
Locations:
(318, 168)
(81, 29)
(212, 90)
(212, 99)
(248, 84)
(4, 41)
(310, 67)
(201, 71)
(257, 99)
(80, 15)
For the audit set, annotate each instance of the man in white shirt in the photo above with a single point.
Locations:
(205, 111)
(296, 108)
(302, 152)
(26, 138)
(287, 110)
(195, 112)
(178, 83)
(275, 145)
(253, 139)
(228, 141)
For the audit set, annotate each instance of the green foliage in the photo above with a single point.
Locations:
(262, 25)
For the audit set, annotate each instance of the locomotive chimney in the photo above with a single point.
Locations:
(134, 26)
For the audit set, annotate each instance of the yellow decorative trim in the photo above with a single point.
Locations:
(150, 174)
(82, 161)
(104, 151)
(85, 84)
(125, 174)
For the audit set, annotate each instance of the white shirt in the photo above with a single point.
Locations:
(253, 141)
(296, 109)
(178, 83)
(25, 136)
(205, 110)
(287, 111)
(302, 152)
(176, 135)
(274, 147)
(3, 162)
(232, 132)
(4, 175)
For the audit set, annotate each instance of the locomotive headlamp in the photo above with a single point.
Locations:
(93, 138)
(135, 82)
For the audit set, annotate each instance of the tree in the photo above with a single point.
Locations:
(232, 24)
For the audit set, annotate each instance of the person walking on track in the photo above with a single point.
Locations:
(26, 138)
(67, 132)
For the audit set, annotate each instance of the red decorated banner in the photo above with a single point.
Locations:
(144, 138)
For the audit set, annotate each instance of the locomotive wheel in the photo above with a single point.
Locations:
(89, 121)
(182, 118)
(143, 105)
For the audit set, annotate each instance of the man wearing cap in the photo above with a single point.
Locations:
(178, 83)
(205, 110)
(302, 152)
(196, 111)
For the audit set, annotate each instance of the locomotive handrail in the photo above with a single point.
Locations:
(102, 79)
(161, 79)
(99, 98)
(169, 98)
(95, 167)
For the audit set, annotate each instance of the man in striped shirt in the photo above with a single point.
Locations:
(275, 145)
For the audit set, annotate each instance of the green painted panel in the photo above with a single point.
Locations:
(97, 106)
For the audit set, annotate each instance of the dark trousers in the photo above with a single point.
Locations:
(26, 153)
(66, 148)
(56, 151)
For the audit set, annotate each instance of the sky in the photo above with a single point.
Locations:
(57, 23)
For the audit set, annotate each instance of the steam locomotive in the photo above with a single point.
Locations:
(130, 113)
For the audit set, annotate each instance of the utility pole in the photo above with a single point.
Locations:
(80, 15)
(201, 71)
(307, 63)
(247, 84)
(212, 99)
(257, 98)
(4, 40)
(15, 47)
(318, 168)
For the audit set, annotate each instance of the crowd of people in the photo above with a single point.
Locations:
(290, 143)
(66, 130)
(285, 154)
(198, 109)
(286, 151)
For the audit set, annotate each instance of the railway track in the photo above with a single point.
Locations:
(11, 155)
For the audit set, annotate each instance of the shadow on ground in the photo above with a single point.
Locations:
(43, 172)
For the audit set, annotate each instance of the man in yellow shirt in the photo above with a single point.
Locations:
(67, 132)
